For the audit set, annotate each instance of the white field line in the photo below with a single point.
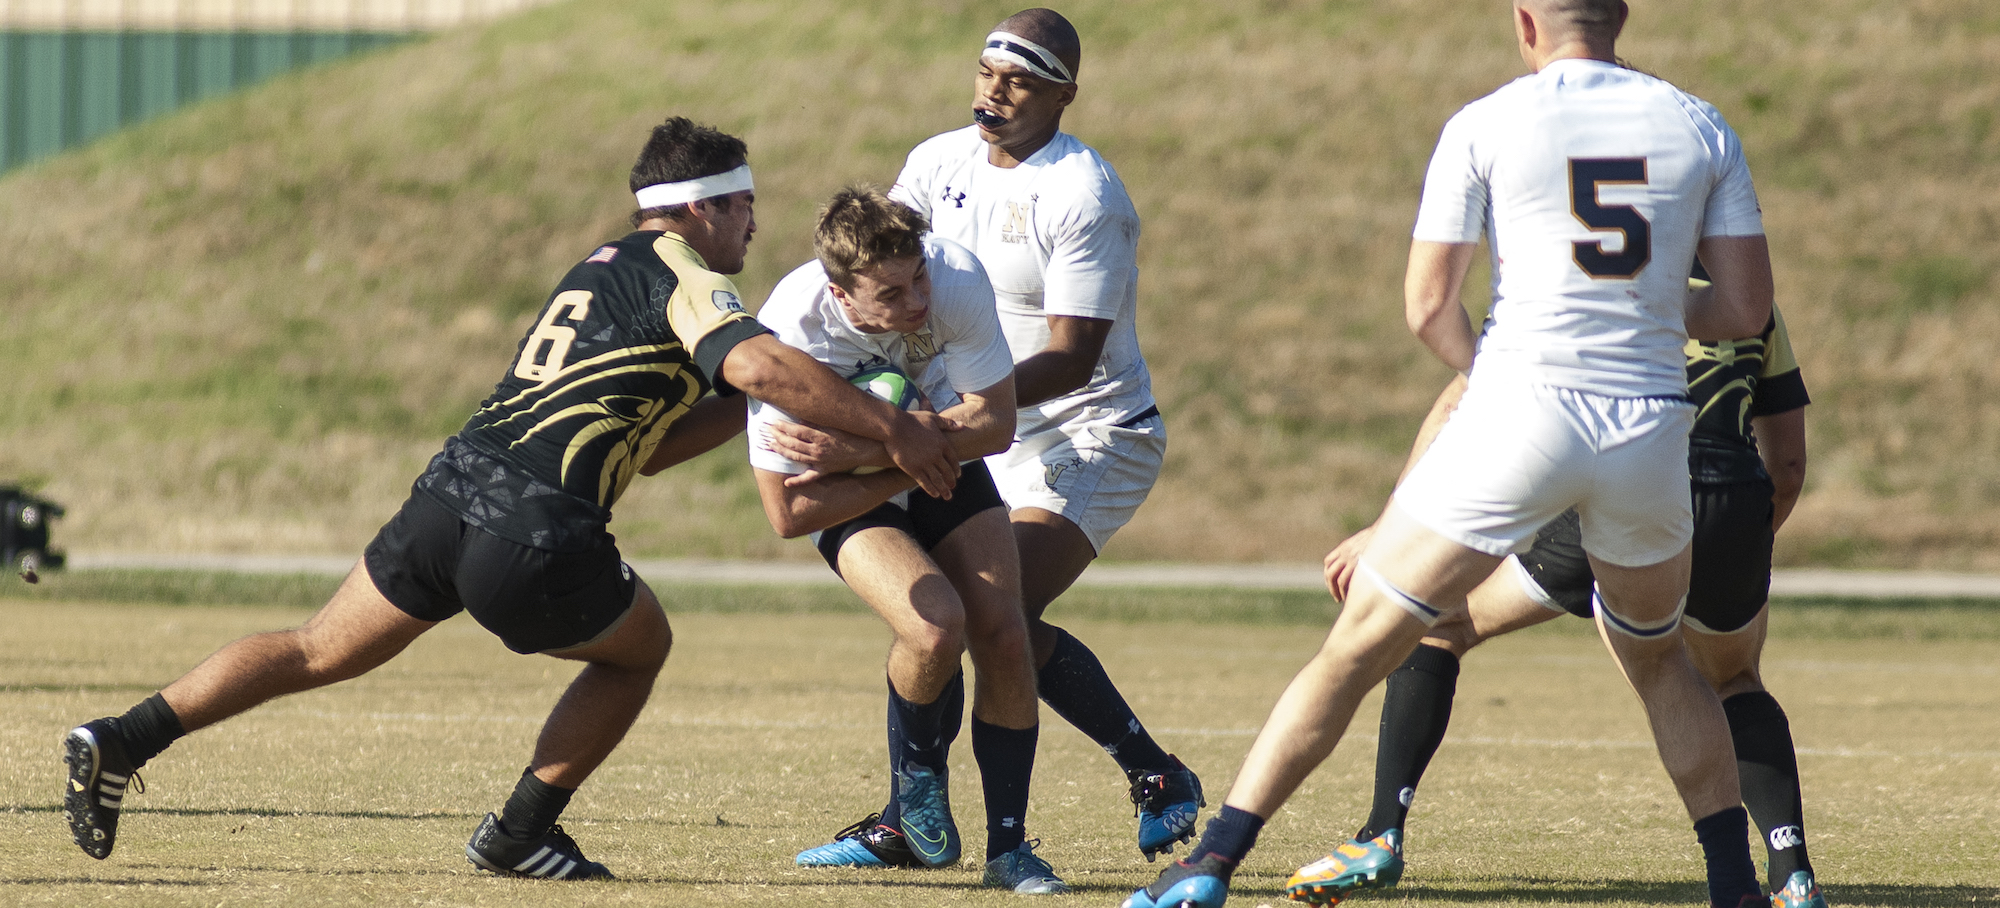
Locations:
(1808, 582)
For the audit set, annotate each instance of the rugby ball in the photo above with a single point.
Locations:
(891, 384)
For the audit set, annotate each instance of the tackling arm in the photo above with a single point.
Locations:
(765, 368)
(813, 500)
(985, 417)
(710, 423)
(1781, 441)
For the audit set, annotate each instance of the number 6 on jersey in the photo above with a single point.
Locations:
(545, 351)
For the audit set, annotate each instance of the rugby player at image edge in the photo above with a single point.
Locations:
(1058, 235)
(510, 521)
(1596, 188)
(1746, 460)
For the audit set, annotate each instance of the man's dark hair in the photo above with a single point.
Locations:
(681, 150)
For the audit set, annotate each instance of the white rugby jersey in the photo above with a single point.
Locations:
(1593, 183)
(1058, 236)
(960, 349)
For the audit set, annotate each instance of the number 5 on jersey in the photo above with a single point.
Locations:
(1585, 176)
(546, 350)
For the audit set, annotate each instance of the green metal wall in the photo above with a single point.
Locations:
(59, 89)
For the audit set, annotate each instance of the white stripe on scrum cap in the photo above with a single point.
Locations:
(1028, 55)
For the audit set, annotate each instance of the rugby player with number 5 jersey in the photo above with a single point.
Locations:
(1596, 187)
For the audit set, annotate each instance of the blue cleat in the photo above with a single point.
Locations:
(868, 843)
(1202, 884)
(1799, 892)
(1166, 804)
(925, 796)
(1351, 867)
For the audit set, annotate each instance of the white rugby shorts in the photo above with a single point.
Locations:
(1095, 474)
(1515, 454)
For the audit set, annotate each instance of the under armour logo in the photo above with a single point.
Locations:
(1406, 796)
(1007, 822)
(1785, 837)
(957, 200)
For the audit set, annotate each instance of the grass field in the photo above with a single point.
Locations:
(244, 327)
(764, 737)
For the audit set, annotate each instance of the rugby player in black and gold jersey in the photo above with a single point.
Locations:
(509, 521)
(1746, 462)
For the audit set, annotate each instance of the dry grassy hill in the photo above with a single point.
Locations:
(244, 328)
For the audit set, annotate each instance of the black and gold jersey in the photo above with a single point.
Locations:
(633, 336)
(1732, 381)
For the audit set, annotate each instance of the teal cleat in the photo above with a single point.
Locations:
(1354, 866)
(1799, 892)
(868, 843)
(1166, 804)
(1202, 884)
(925, 796)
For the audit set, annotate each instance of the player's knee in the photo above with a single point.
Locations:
(1456, 638)
(1002, 641)
(325, 662)
(937, 639)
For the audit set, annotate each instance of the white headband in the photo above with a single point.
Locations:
(1026, 54)
(664, 194)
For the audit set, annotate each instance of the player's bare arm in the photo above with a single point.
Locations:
(1430, 301)
(1075, 345)
(1738, 301)
(1781, 442)
(1340, 562)
(765, 368)
(813, 500)
(707, 425)
(980, 425)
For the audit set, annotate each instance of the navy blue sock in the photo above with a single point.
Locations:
(1230, 835)
(1769, 767)
(148, 728)
(1416, 708)
(917, 735)
(533, 807)
(1725, 845)
(1075, 685)
(1006, 759)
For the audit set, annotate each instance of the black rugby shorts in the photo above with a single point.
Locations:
(927, 520)
(1731, 579)
(431, 564)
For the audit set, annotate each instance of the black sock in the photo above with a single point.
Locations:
(1415, 711)
(1074, 684)
(148, 728)
(1769, 767)
(917, 735)
(533, 807)
(1230, 835)
(1724, 837)
(1006, 759)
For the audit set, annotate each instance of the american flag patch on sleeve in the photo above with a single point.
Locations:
(603, 254)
